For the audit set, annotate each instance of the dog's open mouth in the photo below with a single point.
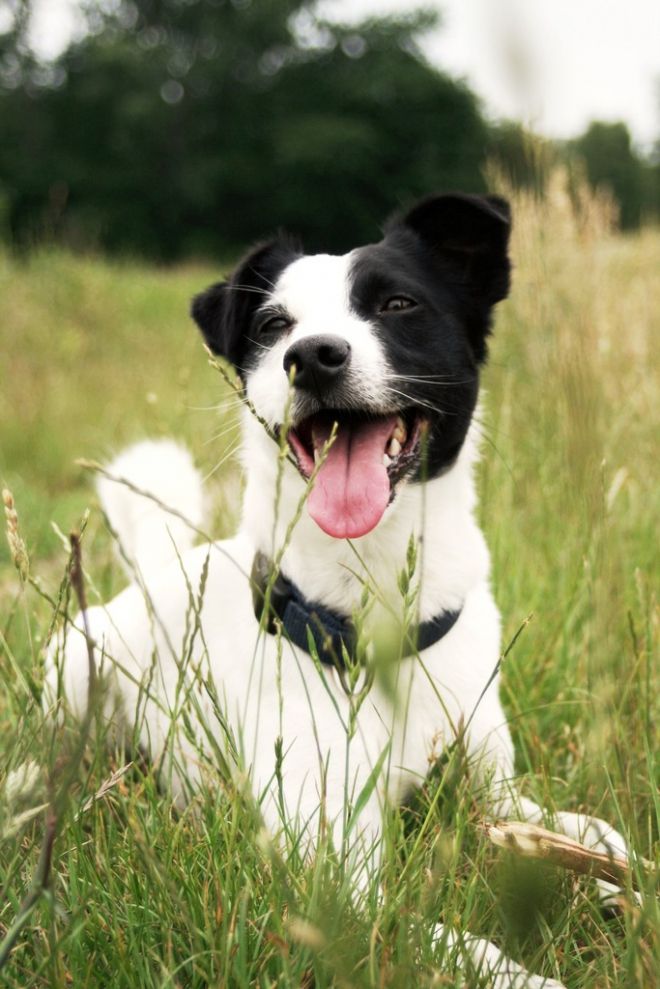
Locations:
(368, 457)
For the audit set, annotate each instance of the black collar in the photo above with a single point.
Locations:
(301, 619)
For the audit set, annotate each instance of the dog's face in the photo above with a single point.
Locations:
(385, 341)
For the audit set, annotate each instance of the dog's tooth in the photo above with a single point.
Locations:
(317, 455)
(400, 432)
(394, 448)
(386, 460)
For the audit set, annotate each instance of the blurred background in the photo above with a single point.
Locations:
(178, 129)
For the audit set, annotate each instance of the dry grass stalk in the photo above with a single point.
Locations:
(104, 789)
(59, 797)
(531, 841)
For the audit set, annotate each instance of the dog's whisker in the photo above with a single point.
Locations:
(431, 380)
(419, 403)
(231, 428)
(256, 343)
(230, 420)
(418, 377)
(230, 453)
(250, 289)
(268, 282)
(233, 401)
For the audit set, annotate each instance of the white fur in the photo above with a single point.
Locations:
(148, 535)
(314, 292)
(269, 690)
(244, 665)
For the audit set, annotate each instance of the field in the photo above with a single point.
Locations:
(95, 354)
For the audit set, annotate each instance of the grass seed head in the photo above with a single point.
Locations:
(306, 933)
(17, 546)
(22, 782)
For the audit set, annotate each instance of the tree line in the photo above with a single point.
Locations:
(178, 128)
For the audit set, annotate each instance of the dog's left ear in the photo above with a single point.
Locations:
(468, 239)
(472, 234)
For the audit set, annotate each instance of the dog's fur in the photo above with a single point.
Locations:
(406, 322)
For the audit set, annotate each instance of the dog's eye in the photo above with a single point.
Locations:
(398, 303)
(274, 324)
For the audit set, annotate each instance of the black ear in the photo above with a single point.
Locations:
(224, 312)
(466, 238)
(208, 311)
(471, 233)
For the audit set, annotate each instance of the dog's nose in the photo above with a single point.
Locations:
(318, 361)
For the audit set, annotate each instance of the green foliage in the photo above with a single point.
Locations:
(99, 354)
(58, 316)
(178, 128)
(605, 152)
(524, 158)
(612, 162)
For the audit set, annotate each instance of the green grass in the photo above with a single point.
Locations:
(96, 354)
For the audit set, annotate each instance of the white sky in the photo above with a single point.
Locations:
(555, 64)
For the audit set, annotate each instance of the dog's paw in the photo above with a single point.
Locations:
(525, 980)
(504, 973)
(486, 959)
(613, 899)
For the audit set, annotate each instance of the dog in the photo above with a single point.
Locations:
(353, 606)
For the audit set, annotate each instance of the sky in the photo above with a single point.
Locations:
(554, 64)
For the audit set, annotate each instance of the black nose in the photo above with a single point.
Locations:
(318, 361)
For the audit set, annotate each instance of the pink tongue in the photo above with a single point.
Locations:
(352, 489)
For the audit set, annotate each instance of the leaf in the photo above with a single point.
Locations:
(367, 790)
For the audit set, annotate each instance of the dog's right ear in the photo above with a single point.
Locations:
(208, 309)
(224, 311)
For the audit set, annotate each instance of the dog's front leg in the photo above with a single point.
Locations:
(489, 744)
(474, 955)
(486, 960)
(596, 834)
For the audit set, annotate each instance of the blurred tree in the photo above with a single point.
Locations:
(610, 159)
(524, 158)
(651, 182)
(181, 127)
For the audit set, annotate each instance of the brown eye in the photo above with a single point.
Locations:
(275, 324)
(398, 303)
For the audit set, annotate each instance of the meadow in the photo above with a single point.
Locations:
(96, 353)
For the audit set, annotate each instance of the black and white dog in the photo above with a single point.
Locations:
(361, 378)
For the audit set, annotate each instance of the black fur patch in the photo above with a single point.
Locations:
(224, 311)
(468, 238)
(448, 256)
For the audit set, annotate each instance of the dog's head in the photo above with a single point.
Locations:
(386, 341)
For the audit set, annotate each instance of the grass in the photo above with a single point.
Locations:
(96, 354)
